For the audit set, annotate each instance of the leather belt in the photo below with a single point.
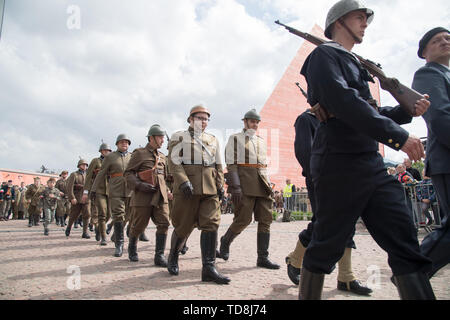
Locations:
(252, 165)
(115, 175)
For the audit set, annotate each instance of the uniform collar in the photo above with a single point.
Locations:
(149, 148)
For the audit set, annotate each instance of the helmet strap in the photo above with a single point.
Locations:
(357, 39)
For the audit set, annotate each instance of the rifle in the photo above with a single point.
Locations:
(405, 96)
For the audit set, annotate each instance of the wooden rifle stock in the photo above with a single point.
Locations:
(405, 96)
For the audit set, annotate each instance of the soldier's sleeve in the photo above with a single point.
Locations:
(231, 153)
(131, 169)
(90, 172)
(101, 174)
(219, 167)
(70, 184)
(175, 158)
(328, 84)
(428, 80)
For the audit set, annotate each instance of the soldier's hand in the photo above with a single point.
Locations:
(74, 201)
(422, 105)
(187, 189)
(413, 147)
(145, 187)
(92, 195)
(169, 195)
(236, 196)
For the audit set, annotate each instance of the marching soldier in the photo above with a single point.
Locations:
(146, 174)
(33, 193)
(99, 204)
(113, 168)
(348, 173)
(194, 162)
(63, 204)
(75, 185)
(249, 185)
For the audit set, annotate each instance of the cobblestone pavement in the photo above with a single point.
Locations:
(34, 266)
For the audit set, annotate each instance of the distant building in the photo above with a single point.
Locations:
(280, 112)
(18, 176)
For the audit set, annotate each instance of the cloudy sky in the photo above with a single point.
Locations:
(75, 72)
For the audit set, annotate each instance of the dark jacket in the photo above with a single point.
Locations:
(434, 80)
(5, 195)
(338, 82)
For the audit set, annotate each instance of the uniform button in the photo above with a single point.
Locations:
(397, 145)
(390, 141)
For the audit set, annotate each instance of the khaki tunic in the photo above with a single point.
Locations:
(148, 205)
(195, 159)
(92, 171)
(113, 167)
(248, 156)
(33, 193)
(63, 204)
(75, 184)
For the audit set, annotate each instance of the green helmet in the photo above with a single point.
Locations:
(252, 114)
(340, 9)
(104, 146)
(82, 161)
(156, 130)
(123, 136)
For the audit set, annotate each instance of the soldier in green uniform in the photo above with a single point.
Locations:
(34, 191)
(63, 204)
(146, 175)
(249, 185)
(113, 168)
(194, 162)
(74, 190)
(99, 204)
(49, 199)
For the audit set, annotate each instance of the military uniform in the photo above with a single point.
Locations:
(34, 209)
(50, 196)
(151, 203)
(75, 184)
(63, 204)
(100, 208)
(349, 175)
(246, 159)
(194, 162)
(113, 168)
(22, 206)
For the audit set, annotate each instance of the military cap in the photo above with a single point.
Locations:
(36, 178)
(427, 37)
(156, 130)
(62, 172)
(123, 136)
(340, 9)
(196, 109)
(104, 146)
(252, 114)
(82, 161)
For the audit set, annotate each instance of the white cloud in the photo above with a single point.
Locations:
(136, 63)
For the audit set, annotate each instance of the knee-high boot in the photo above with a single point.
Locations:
(176, 243)
(208, 243)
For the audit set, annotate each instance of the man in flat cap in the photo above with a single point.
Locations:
(434, 79)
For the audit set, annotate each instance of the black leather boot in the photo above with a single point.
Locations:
(160, 246)
(97, 234)
(118, 233)
(46, 231)
(293, 273)
(109, 227)
(143, 237)
(132, 249)
(57, 221)
(311, 285)
(262, 244)
(30, 221)
(91, 227)
(208, 243)
(176, 243)
(68, 230)
(414, 286)
(225, 242)
(184, 249)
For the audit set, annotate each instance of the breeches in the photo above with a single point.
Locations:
(260, 206)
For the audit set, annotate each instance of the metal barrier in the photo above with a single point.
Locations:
(415, 192)
(297, 207)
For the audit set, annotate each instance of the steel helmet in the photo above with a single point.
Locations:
(252, 114)
(82, 161)
(340, 9)
(198, 108)
(156, 130)
(123, 136)
(104, 146)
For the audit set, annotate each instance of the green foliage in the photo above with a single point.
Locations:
(419, 165)
(274, 215)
